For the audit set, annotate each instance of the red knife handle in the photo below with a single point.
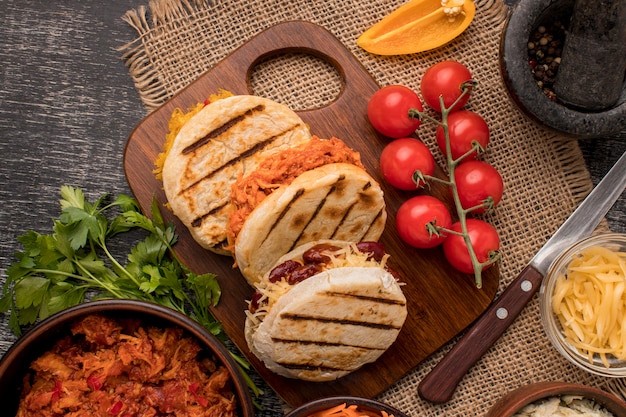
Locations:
(439, 385)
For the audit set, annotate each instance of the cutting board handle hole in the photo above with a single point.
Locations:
(297, 79)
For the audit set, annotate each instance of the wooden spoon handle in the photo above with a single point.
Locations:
(439, 385)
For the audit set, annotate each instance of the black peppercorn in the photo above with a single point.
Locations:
(544, 55)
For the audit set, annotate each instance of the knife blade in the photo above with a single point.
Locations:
(440, 383)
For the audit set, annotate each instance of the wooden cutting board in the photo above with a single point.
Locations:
(441, 301)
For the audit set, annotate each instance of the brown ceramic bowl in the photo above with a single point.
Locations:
(517, 399)
(367, 406)
(14, 364)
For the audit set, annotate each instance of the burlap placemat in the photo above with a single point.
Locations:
(545, 174)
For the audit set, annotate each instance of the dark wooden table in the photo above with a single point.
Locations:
(67, 106)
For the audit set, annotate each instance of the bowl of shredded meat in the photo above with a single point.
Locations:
(121, 358)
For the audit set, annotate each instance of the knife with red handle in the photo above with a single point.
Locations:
(439, 385)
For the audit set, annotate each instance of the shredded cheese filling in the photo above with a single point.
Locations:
(348, 256)
(590, 303)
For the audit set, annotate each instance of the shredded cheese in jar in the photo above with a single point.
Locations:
(590, 303)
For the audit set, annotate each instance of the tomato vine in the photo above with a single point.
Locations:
(470, 245)
(452, 164)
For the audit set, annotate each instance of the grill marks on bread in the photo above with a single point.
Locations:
(328, 213)
(335, 201)
(197, 222)
(224, 141)
(194, 188)
(222, 129)
(363, 312)
(319, 366)
(221, 136)
(328, 332)
(300, 317)
(241, 155)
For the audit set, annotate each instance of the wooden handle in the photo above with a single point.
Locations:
(439, 385)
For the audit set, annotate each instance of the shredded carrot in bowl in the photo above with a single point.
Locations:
(344, 410)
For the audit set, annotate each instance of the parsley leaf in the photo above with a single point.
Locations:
(58, 270)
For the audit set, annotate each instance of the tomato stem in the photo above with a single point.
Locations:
(449, 231)
(487, 204)
(429, 178)
(476, 149)
(414, 113)
(452, 163)
(420, 180)
(433, 229)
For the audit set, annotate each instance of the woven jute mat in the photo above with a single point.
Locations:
(545, 174)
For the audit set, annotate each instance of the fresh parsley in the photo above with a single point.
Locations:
(57, 270)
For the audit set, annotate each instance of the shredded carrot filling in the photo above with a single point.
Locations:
(345, 410)
(281, 169)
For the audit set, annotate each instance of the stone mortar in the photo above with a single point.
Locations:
(524, 18)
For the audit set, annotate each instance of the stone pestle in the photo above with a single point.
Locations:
(591, 73)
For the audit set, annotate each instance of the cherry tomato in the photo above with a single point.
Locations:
(464, 128)
(388, 111)
(445, 79)
(419, 214)
(476, 181)
(484, 238)
(401, 158)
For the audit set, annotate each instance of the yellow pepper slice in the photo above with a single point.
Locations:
(418, 26)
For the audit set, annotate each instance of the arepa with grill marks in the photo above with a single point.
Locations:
(329, 324)
(338, 201)
(225, 140)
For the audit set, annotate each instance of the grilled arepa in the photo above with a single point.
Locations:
(225, 140)
(338, 201)
(325, 310)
